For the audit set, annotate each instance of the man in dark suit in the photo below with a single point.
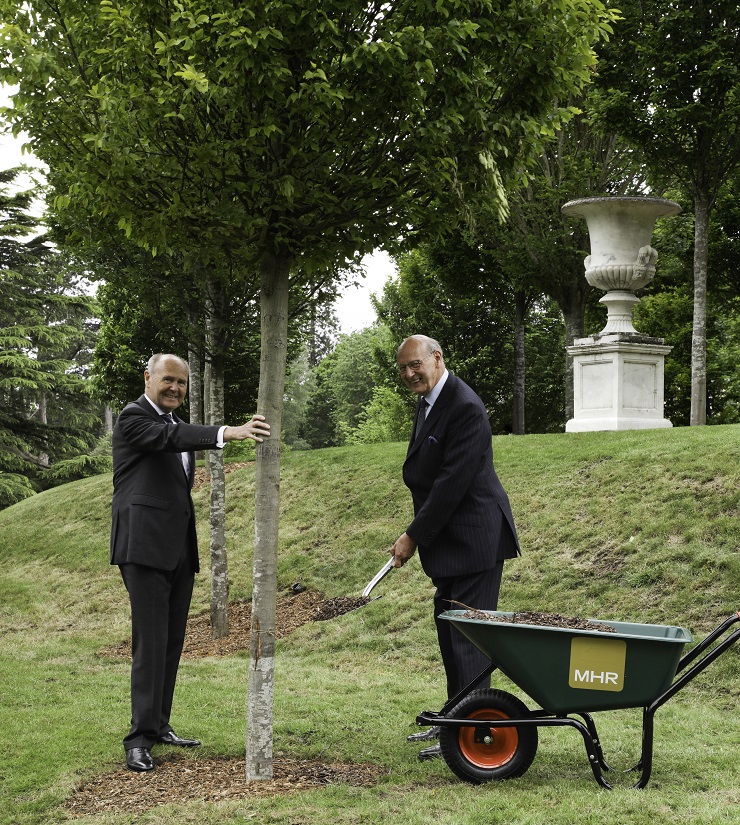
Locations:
(153, 541)
(463, 526)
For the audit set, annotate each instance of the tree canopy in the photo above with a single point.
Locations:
(670, 83)
(279, 122)
(300, 133)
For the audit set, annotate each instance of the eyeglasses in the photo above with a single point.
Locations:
(413, 365)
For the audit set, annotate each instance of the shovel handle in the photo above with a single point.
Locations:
(384, 570)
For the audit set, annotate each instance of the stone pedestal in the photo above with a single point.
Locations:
(617, 383)
(618, 374)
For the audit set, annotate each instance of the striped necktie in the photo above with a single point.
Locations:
(421, 417)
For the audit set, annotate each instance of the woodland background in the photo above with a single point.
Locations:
(83, 303)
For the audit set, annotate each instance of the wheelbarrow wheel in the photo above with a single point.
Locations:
(480, 755)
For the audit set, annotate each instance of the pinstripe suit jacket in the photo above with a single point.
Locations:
(153, 521)
(462, 518)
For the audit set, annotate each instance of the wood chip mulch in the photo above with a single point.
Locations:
(541, 620)
(293, 610)
(182, 779)
(201, 475)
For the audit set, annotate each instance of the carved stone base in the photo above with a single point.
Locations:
(618, 383)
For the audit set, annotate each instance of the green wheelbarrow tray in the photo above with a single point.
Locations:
(567, 670)
(488, 734)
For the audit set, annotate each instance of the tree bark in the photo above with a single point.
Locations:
(274, 337)
(520, 314)
(215, 459)
(219, 557)
(699, 330)
(573, 317)
(195, 394)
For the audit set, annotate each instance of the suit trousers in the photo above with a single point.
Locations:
(160, 601)
(461, 658)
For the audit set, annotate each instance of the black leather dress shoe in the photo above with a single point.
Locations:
(433, 752)
(139, 759)
(424, 735)
(171, 738)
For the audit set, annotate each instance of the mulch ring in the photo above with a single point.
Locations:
(180, 779)
(201, 474)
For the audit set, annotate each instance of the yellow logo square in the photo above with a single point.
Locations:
(597, 664)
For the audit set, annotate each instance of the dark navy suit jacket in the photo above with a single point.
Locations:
(153, 521)
(462, 517)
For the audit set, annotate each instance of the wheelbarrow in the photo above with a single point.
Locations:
(490, 734)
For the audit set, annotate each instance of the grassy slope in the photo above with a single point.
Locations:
(638, 526)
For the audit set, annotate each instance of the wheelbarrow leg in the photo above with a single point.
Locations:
(646, 762)
(598, 750)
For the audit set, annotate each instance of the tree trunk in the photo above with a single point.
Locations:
(517, 423)
(219, 560)
(699, 331)
(274, 337)
(206, 392)
(195, 394)
(43, 418)
(573, 317)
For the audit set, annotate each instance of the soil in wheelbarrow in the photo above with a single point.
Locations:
(540, 619)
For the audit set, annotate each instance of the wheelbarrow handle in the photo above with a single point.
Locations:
(706, 642)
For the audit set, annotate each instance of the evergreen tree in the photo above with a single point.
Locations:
(47, 416)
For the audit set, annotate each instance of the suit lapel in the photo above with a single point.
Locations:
(190, 476)
(433, 415)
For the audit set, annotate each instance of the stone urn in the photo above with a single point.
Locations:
(618, 373)
(622, 260)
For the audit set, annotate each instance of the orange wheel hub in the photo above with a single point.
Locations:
(488, 756)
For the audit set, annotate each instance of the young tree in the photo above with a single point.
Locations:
(671, 85)
(302, 133)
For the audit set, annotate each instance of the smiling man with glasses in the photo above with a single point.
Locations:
(463, 526)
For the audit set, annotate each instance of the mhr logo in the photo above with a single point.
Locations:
(604, 677)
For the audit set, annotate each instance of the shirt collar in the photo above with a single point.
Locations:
(161, 412)
(433, 394)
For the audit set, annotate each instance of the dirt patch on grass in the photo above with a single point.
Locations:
(182, 779)
(293, 611)
(201, 476)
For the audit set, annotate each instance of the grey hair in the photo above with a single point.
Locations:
(153, 362)
(424, 340)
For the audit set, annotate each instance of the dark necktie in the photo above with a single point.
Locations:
(421, 417)
(184, 460)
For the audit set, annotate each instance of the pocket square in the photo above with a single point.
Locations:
(432, 441)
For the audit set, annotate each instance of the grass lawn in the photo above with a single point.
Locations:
(633, 526)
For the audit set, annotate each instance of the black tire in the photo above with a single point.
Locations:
(508, 752)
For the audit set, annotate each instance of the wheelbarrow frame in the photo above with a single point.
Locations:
(586, 725)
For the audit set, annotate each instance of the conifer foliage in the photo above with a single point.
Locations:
(46, 413)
